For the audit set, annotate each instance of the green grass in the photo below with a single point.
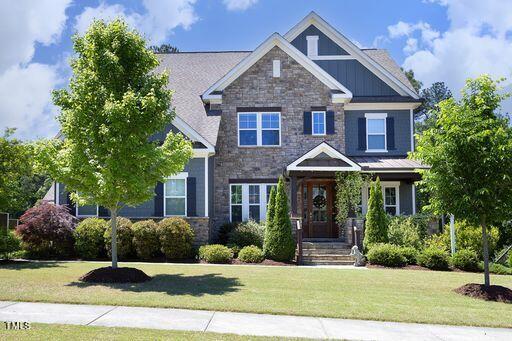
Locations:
(375, 294)
(69, 332)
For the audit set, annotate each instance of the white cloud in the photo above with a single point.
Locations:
(25, 87)
(239, 5)
(411, 45)
(477, 41)
(160, 18)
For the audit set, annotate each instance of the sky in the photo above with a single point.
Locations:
(440, 40)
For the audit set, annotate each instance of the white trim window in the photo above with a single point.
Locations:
(248, 201)
(390, 194)
(312, 46)
(318, 122)
(175, 195)
(259, 129)
(376, 132)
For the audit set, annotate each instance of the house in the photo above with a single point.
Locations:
(304, 105)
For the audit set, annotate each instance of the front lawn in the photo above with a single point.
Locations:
(376, 294)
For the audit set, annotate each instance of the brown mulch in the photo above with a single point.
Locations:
(496, 293)
(119, 275)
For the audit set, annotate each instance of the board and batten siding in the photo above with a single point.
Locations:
(405, 198)
(402, 130)
(326, 47)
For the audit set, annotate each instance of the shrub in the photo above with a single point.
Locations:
(251, 254)
(124, 238)
(410, 254)
(224, 232)
(176, 238)
(386, 255)
(497, 269)
(510, 259)
(376, 226)
(89, 238)
(403, 231)
(436, 241)
(279, 242)
(466, 260)
(9, 243)
(215, 253)
(434, 258)
(235, 248)
(145, 239)
(46, 230)
(247, 233)
(469, 236)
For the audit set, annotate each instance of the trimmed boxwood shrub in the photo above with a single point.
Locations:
(251, 254)
(235, 248)
(434, 258)
(145, 239)
(9, 243)
(46, 230)
(224, 232)
(89, 238)
(176, 238)
(465, 259)
(386, 255)
(124, 238)
(496, 268)
(247, 233)
(215, 253)
(410, 254)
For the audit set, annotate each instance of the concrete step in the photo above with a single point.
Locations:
(326, 251)
(317, 246)
(328, 262)
(328, 257)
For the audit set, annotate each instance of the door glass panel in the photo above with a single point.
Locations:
(319, 203)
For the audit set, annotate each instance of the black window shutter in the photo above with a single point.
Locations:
(191, 197)
(390, 133)
(329, 118)
(103, 212)
(307, 122)
(159, 200)
(361, 133)
(71, 205)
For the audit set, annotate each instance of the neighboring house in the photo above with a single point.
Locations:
(304, 105)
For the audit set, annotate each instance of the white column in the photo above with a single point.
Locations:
(413, 199)
(206, 176)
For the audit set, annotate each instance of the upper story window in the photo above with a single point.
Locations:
(175, 195)
(376, 132)
(318, 122)
(312, 42)
(259, 129)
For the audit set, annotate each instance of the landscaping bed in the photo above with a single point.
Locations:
(496, 293)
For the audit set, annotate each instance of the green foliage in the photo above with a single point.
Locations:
(434, 258)
(224, 231)
(403, 231)
(468, 236)
(271, 212)
(235, 248)
(376, 226)
(348, 193)
(215, 253)
(410, 254)
(510, 259)
(9, 243)
(124, 237)
(416, 84)
(465, 259)
(386, 255)
(279, 242)
(247, 233)
(426, 114)
(114, 104)
(176, 238)
(497, 269)
(146, 240)
(251, 254)
(89, 238)
(437, 241)
(164, 48)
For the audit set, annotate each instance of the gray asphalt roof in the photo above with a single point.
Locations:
(191, 73)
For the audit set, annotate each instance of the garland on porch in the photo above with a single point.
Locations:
(348, 193)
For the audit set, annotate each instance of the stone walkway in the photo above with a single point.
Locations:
(240, 323)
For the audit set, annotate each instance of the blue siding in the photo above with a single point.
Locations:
(405, 198)
(326, 47)
(402, 120)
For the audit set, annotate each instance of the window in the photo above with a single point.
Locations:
(175, 195)
(318, 122)
(87, 211)
(249, 201)
(390, 200)
(376, 132)
(312, 42)
(390, 193)
(259, 129)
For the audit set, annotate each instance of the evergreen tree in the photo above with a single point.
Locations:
(376, 227)
(279, 242)
(270, 213)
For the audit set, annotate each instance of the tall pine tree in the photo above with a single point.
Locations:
(376, 227)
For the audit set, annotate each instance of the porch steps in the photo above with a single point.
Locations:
(326, 253)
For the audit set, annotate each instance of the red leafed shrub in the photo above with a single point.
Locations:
(46, 230)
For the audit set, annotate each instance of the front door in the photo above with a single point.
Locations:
(319, 199)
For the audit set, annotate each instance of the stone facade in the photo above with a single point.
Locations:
(201, 227)
(296, 91)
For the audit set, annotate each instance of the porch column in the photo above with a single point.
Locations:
(293, 185)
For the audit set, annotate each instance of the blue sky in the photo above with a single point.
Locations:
(445, 40)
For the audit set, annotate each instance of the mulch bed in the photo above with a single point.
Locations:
(496, 293)
(119, 275)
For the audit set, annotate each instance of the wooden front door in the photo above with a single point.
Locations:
(318, 209)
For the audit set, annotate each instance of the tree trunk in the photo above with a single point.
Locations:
(485, 246)
(113, 224)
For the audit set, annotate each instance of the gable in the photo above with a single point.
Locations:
(323, 157)
(326, 47)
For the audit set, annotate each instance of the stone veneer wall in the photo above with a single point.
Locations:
(295, 91)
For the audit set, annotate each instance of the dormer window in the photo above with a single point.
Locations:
(312, 46)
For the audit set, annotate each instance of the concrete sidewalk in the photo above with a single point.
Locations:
(240, 323)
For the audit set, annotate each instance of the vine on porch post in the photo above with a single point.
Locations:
(348, 193)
